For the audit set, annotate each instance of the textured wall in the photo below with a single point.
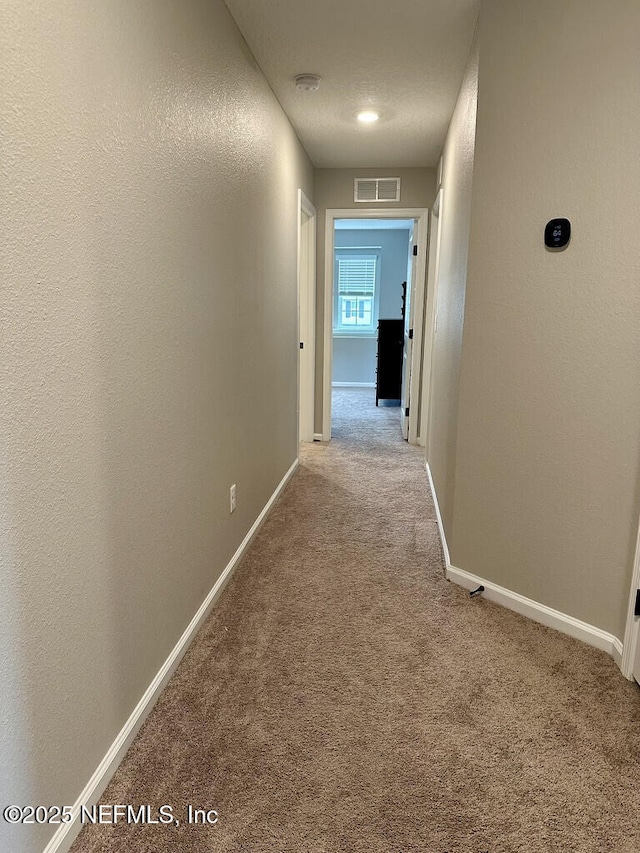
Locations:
(334, 189)
(149, 355)
(546, 494)
(455, 213)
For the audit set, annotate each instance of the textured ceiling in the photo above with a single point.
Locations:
(405, 58)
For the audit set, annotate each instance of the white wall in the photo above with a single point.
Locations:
(149, 355)
(354, 359)
(548, 444)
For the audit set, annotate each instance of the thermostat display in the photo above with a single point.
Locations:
(557, 233)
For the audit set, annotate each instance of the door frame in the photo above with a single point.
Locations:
(632, 630)
(421, 215)
(430, 318)
(306, 322)
(407, 338)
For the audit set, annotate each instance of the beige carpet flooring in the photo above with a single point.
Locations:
(344, 698)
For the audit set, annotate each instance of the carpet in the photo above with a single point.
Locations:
(343, 697)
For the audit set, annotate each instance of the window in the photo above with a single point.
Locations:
(356, 291)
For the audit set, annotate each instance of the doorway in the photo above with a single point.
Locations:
(630, 664)
(430, 321)
(351, 318)
(306, 316)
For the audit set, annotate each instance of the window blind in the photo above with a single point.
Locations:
(357, 276)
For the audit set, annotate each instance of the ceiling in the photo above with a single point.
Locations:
(404, 58)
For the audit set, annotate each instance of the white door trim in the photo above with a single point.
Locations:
(430, 319)
(306, 298)
(632, 631)
(418, 213)
(419, 275)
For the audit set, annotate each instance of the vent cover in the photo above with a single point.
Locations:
(376, 189)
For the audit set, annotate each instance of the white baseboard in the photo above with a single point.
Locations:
(353, 384)
(526, 606)
(443, 538)
(317, 436)
(617, 652)
(539, 612)
(66, 833)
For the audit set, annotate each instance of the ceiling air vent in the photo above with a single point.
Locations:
(376, 189)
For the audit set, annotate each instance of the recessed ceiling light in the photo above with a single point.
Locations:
(368, 116)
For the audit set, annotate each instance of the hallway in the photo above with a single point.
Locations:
(344, 698)
(162, 167)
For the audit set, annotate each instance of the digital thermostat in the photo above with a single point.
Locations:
(557, 233)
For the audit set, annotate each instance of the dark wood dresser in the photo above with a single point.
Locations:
(389, 369)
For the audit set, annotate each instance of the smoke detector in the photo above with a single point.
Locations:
(307, 82)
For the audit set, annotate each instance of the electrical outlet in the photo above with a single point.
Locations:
(232, 498)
